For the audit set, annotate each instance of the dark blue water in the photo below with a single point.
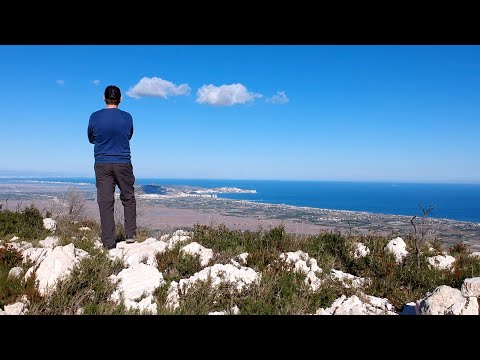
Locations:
(450, 201)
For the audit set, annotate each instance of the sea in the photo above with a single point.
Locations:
(459, 202)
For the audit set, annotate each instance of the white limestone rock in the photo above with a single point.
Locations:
(49, 242)
(147, 305)
(233, 311)
(331, 310)
(15, 272)
(18, 308)
(398, 247)
(136, 253)
(235, 263)
(149, 240)
(475, 254)
(349, 280)
(360, 250)
(50, 224)
(471, 287)
(243, 258)
(240, 260)
(137, 283)
(97, 243)
(195, 249)
(471, 306)
(178, 236)
(84, 228)
(303, 263)
(80, 254)
(173, 296)
(14, 238)
(444, 300)
(237, 279)
(441, 262)
(354, 305)
(36, 255)
(55, 266)
(165, 237)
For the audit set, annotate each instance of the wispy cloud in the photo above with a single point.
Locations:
(60, 82)
(157, 87)
(279, 98)
(225, 95)
(96, 82)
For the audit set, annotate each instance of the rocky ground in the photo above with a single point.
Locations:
(139, 279)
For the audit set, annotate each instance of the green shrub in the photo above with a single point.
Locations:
(176, 265)
(11, 288)
(26, 224)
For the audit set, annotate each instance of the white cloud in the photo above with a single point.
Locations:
(225, 95)
(60, 82)
(157, 87)
(96, 82)
(279, 98)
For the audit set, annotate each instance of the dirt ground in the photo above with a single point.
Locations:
(162, 218)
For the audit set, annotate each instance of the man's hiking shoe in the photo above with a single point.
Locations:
(130, 240)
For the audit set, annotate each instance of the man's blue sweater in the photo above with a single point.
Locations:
(111, 130)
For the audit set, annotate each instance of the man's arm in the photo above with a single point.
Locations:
(131, 129)
(91, 137)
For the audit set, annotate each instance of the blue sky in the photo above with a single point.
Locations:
(293, 112)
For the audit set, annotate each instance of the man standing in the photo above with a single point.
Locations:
(111, 129)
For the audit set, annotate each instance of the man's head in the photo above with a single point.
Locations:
(112, 95)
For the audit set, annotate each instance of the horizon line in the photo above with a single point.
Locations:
(253, 179)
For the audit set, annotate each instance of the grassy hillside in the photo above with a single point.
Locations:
(280, 290)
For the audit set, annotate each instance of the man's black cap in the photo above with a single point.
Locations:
(112, 92)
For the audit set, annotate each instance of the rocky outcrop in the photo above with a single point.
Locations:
(398, 248)
(18, 308)
(138, 281)
(441, 262)
(349, 280)
(50, 224)
(195, 249)
(355, 305)
(15, 272)
(445, 300)
(471, 287)
(307, 265)
(49, 242)
(360, 250)
(237, 279)
(303, 263)
(136, 285)
(143, 252)
(55, 266)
